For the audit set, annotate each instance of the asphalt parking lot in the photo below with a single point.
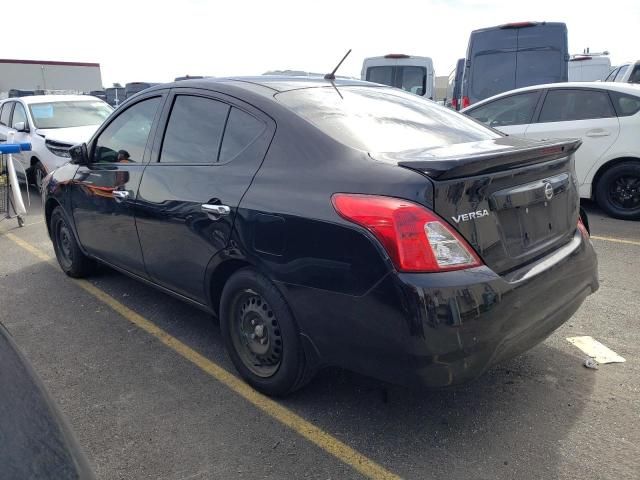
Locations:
(144, 382)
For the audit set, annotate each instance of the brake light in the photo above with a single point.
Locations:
(454, 103)
(396, 55)
(416, 239)
(518, 24)
(465, 102)
(582, 228)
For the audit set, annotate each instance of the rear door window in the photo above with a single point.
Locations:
(413, 79)
(194, 131)
(635, 75)
(242, 129)
(383, 75)
(564, 105)
(621, 73)
(493, 73)
(5, 114)
(533, 66)
(512, 110)
(612, 75)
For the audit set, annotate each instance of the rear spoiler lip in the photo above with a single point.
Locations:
(489, 162)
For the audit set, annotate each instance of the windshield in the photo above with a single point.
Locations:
(72, 113)
(382, 119)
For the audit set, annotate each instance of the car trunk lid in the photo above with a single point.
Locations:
(513, 200)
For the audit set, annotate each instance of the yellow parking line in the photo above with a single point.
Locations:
(311, 432)
(616, 240)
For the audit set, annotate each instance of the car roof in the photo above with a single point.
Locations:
(633, 89)
(53, 98)
(273, 83)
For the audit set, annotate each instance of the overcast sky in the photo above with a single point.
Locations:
(138, 40)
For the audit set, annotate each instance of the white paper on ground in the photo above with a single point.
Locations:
(595, 349)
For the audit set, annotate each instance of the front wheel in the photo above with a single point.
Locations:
(261, 335)
(618, 191)
(71, 259)
(38, 174)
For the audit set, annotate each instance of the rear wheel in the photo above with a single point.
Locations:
(261, 335)
(618, 191)
(71, 259)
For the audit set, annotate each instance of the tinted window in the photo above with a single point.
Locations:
(194, 131)
(413, 79)
(492, 74)
(567, 105)
(621, 73)
(125, 139)
(382, 120)
(6, 113)
(512, 110)
(536, 67)
(635, 75)
(624, 104)
(19, 115)
(242, 129)
(383, 75)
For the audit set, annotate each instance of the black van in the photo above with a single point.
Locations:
(514, 55)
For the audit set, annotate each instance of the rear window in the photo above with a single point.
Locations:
(635, 75)
(383, 75)
(624, 104)
(382, 120)
(493, 73)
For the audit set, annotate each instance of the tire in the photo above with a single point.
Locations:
(37, 175)
(618, 191)
(71, 259)
(272, 362)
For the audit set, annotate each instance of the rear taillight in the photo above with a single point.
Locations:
(416, 239)
(582, 228)
(454, 103)
(465, 102)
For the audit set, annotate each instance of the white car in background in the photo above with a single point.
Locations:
(606, 116)
(51, 124)
(626, 73)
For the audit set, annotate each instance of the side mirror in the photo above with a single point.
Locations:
(79, 154)
(21, 127)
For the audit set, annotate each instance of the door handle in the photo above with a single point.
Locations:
(598, 132)
(215, 210)
(120, 194)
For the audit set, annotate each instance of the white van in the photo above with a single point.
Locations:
(588, 68)
(413, 74)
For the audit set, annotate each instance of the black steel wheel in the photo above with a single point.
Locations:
(260, 334)
(71, 259)
(618, 191)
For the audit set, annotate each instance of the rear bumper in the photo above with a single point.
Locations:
(446, 328)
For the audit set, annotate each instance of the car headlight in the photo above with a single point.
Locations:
(58, 148)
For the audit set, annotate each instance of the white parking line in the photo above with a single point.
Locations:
(615, 240)
(595, 349)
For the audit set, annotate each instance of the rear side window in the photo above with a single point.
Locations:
(242, 129)
(383, 75)
(612, 75)
(565, 105)
(194, 131)
(635, 75)
(511, 110)
(624, 104)
(377, 119)
(6, 113)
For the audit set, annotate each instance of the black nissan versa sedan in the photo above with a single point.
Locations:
(331, 223)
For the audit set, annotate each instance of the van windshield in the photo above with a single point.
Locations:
(382, 119)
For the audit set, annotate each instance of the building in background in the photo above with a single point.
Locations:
(29, 75)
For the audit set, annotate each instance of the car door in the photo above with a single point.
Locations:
(20, 116)
(578, 113)
(511, 114)
(103, 193)
(205, 159)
